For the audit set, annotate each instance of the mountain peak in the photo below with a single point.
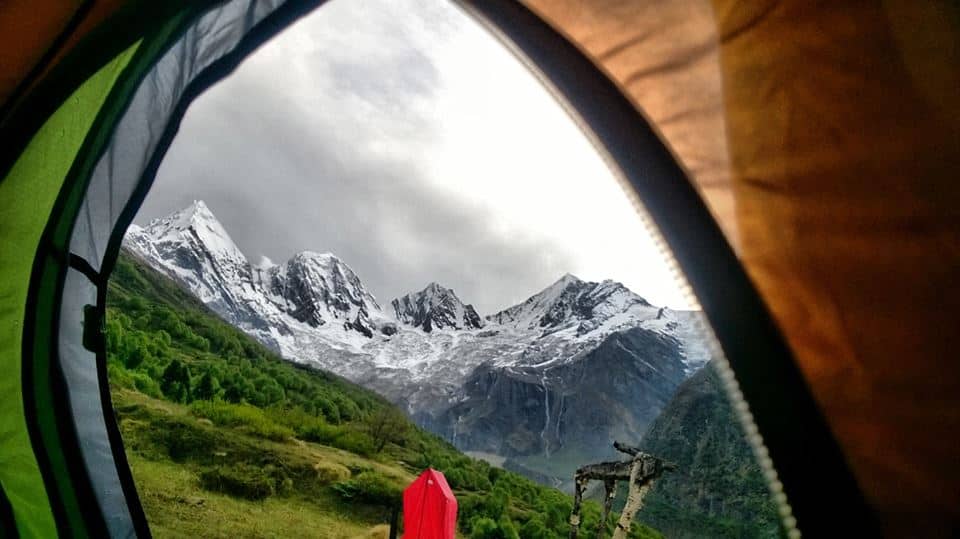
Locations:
(570, 300)
(197, 212)
(435, 307)
(322, 288)
(194, 224)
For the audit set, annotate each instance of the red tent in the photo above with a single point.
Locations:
(429, 508)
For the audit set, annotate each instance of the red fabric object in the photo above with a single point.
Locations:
(429, 508)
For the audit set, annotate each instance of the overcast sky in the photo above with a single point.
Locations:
(403, 138)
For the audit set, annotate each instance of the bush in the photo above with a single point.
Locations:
(331, 472)
(247, 482)
(369, 487)
(250, 418)
(484, 528)
(320, 433)
(146, 385)
(183, 439)
(119, 377)
(354, 442)
(535, 528)
(175, 381)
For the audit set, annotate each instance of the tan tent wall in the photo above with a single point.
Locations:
(825, 137)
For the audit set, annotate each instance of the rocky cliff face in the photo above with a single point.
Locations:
(609, 393)
(317, 289)
(551, 380)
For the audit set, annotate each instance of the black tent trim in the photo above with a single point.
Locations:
(799, 441)
(8, 526)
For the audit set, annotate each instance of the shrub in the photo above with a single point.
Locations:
(369, 487)
(175, 381)
(146, 385)
(247, 482)
(320, 433)
(249, 418)
(183, 439)
(535, 528)
(484, 528)
(119, 377)
(354, 442)
(507, 529)
(331, 472)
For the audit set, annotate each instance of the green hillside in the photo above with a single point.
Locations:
(225, 439)
(718, 489)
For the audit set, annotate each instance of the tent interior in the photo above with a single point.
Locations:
(798, 159)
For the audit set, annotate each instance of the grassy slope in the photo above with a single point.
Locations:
(178, 506)
(227, 440)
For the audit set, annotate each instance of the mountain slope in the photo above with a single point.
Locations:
(718, 489)
(577, 363)
(225, 439)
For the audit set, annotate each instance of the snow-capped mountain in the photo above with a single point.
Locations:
(318, 289)
(564, 371)
(435, 307)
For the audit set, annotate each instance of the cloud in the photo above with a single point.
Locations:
(404, 139)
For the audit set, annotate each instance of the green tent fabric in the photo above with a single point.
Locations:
(27, 197)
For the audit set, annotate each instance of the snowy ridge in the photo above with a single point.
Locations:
(314, 306)
(424, 349)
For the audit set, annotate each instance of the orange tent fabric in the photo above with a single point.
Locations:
(429, 508)
(825, 137)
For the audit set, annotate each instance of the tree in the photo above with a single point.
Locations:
(387, 425)
(207, 388)
(485, 528)
(507, 528)
(535, 528)
(175, 381)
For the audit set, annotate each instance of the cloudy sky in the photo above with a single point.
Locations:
(406, 140)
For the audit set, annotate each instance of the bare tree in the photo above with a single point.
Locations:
(641, 471)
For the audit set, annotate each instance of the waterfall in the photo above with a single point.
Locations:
(546, 412)
(456, 427)
(559, 415)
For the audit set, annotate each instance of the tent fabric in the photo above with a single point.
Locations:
(665, 56)
(824, 138)
(80, 374)
(89, 466)
(32, 34)
(27, 197)
(429, 508)
(838, 188)
(111, 186)
(82, 38)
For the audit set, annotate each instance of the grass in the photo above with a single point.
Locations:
(178, 506)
